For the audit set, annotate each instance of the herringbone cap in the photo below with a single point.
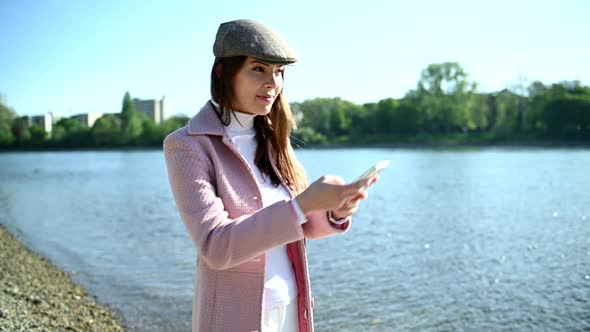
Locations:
(253, 39)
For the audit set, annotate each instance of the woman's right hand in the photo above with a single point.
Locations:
(330, 192)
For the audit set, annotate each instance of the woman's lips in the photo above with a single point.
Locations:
(268, 99)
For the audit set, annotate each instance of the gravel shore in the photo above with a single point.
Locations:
(37, 296)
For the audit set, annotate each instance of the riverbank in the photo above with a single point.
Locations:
(452, 145)
(434, 145)
(37, 296)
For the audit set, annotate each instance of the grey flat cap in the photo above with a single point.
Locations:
(253, 39)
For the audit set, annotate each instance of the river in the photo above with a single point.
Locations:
(474, 239)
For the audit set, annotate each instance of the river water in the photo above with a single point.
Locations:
(484, 239)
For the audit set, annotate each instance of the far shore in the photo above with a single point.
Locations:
(297, 146)
(452, 145)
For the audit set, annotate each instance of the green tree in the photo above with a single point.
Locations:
(38, 135)
(384, 115)
(522, 109)
(368, 124)
(151, 134)
(316, 115)
(106, 131)
(445, 96)
(391, 119)
(406, 120)
(130, 122)
(329, 117)
(560, 111)
(65, 132)
(7, 116)
(171, 124)
(568, 117)
(481, 112)
(57, 134)
(20, 130)
(538, 96)
(507, 113)
(307, 135)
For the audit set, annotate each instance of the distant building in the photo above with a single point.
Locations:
(87, 119)
(154, 109)
(55, 117)
(45, 121)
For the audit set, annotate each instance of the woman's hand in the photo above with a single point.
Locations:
(330, 192)
(349, 208)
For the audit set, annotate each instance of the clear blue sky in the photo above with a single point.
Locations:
(72, 56)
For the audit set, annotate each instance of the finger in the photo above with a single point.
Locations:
(375, 179)
(341, 214)
(349, 212)
(355, 196)
(353, 202)
(348, 197)
(356, 188)
(349, 191)
(363, 195)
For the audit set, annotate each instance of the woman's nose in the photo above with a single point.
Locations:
(273, 80)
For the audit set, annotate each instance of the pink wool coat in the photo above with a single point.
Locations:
(218, 199)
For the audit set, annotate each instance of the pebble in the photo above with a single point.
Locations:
(37, 296)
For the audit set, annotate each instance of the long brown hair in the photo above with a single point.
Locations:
(274, 127)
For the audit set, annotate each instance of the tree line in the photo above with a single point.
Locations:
(444, 107)
(126, 129)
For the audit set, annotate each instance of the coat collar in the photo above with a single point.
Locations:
(206, 122)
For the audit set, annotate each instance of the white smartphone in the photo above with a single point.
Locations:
(378, 167)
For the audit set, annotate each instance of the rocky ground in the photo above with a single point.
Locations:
(37, 296)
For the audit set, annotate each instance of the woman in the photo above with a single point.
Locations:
(242, 195)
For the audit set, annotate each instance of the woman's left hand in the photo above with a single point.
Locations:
(350, 207)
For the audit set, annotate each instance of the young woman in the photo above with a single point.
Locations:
(243, 196)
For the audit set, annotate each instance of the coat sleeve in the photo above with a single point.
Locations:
(318, 225)
(222, 242)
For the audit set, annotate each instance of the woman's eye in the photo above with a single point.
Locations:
(258, 68)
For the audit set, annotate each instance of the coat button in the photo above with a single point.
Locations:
(254, 197)
(305, 314)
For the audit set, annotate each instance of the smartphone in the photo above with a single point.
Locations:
(378, 167)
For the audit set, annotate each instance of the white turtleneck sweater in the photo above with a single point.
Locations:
(280, 287)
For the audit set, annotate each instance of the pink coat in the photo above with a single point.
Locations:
(220, 204)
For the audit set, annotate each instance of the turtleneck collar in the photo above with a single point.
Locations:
(241, 122)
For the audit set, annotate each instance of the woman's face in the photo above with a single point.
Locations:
(256, 86)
